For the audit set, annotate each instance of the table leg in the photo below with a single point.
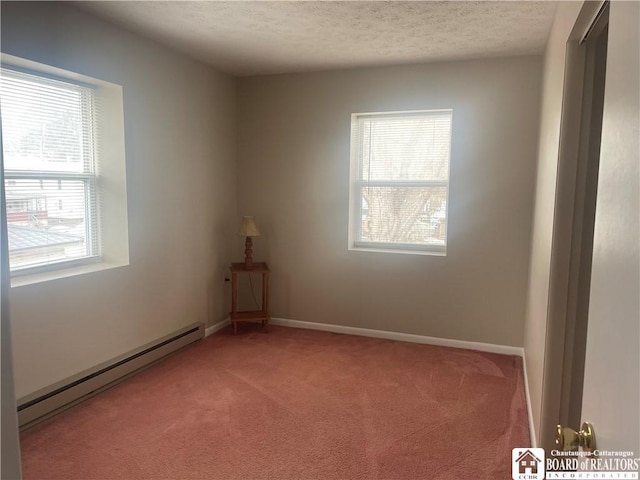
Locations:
(234, 301)
(265, 299)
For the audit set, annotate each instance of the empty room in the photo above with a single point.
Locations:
(320, 240)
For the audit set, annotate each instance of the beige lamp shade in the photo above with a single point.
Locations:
(249, 227)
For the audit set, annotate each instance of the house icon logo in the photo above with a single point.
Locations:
(527, 464)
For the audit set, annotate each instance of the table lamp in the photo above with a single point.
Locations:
(248, 229)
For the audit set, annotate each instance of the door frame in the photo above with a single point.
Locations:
(565, 340)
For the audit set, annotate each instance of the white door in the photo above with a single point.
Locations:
(611, 393)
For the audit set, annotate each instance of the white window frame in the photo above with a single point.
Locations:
(87, 177)
(107, 181)
(357, 184)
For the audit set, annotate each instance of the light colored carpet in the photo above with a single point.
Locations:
(294, 404)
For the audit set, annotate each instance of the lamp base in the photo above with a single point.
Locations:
(248, 254)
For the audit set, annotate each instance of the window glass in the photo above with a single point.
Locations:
(400, 181)
(50, 176)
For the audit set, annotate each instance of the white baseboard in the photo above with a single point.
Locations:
(215, 327)
(401, 337)
(532, 430)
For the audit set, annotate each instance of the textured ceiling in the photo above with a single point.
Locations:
(261, 37)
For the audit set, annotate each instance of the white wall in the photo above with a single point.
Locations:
(9, 442)
(180, 148)
(540, 263)
(293, 166)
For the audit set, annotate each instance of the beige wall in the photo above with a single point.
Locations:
(180, 147)
(293, 166)
(538, 293)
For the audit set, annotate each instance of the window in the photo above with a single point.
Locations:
(50, 176)
(400, 181)
(62, 190)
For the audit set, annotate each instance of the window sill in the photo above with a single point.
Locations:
(435, 253)
(24, 280)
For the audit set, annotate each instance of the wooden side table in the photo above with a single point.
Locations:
(250, 315)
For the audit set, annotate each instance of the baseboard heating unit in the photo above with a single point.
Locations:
(51, 400)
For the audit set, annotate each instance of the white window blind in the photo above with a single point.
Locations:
(50, 171)
(400, 180)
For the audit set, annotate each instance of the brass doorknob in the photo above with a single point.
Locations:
(568, 439)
